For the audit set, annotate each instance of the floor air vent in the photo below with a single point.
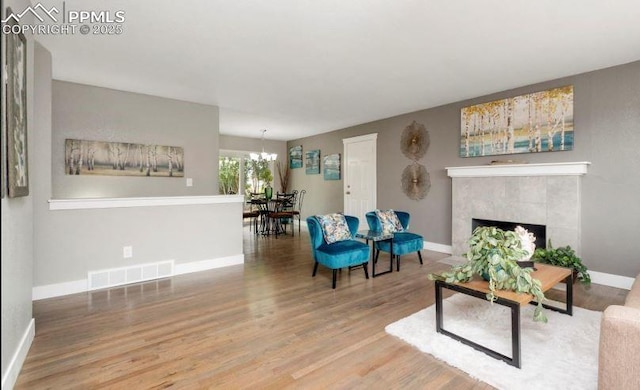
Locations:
(126, 275)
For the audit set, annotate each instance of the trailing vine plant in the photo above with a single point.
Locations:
(494, 254)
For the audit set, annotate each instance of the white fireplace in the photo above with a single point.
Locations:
(542, 194)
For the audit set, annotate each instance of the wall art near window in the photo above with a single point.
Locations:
(295, 157)
(332, 167)
(122, 159)
(536, 122)
(312, 158)
(16, 111)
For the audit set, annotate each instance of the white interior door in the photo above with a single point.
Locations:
(360, 176)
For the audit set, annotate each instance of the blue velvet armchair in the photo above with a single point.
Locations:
(403, 242)
(341, 254)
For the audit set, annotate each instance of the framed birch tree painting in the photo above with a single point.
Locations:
(122, 159)
(532, 123)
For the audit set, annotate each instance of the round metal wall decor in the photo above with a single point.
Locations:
(415, 141)
(416, 181)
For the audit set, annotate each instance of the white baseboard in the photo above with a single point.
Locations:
(59, 289)
(611, 280)
(77, 286)
(204, 265)
(433, 246)
(15, 365)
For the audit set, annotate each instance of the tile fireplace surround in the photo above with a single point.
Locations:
(543, 194)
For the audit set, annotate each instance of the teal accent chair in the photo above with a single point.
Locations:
(341, 254)
(403, 242)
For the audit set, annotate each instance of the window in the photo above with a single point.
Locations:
(238, 174)
(229, 169)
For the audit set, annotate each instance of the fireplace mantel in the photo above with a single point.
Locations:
(546, 169)
(541, 194)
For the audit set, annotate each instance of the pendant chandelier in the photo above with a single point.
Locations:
(264, 155)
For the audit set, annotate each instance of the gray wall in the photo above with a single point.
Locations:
(101, 114)
(323, 195)
(607, 114)
(79, 241)
(71, 243)
(17, 230)
(42, 247)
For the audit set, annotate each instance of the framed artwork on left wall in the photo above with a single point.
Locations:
(122, 159)
(3, 127)
(16, 111)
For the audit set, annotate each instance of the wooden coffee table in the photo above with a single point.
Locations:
(548, 275)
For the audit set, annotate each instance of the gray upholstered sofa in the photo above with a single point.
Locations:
(619, 360)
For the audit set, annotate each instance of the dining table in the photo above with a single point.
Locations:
(265, 208)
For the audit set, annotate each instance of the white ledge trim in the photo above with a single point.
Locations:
(548, 169)
(109, 203)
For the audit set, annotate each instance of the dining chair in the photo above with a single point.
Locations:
(253, 219)
(285, 212)
(252, 212)
(260, 205)
(280, 214)
(288, 200)
(297, 208)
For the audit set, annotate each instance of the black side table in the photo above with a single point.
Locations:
(373, 236)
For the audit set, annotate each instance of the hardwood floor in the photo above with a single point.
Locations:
(264, 324)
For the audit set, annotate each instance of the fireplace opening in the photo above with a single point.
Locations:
(539, 231)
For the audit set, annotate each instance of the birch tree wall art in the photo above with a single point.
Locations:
(122, 159)
(532, 123)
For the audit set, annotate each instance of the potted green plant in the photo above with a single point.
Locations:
(267, 178)
(494, 254)
(563, 256)
(268, 190)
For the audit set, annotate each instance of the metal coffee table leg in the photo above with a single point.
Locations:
(515, 358)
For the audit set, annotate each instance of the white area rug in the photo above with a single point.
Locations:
(561, 354)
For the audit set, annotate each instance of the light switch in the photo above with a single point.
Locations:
(189, 182)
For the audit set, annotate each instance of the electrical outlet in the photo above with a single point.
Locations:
(189, 182)
(127, 252)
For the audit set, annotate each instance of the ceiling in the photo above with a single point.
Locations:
(302, 67)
